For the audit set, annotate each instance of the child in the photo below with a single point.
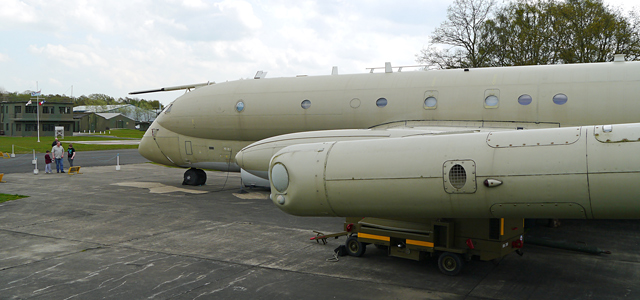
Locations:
(47, 161)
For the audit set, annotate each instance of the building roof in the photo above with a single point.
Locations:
(128, 110)
(110, 115)
(100, 108)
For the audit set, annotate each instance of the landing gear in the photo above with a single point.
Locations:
(194, 176)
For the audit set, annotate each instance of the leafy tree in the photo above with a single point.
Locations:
(522, 33)
(530, 32)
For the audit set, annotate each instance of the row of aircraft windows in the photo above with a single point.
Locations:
(431, 102)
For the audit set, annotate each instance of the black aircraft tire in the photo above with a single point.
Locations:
(190, 177)
(450, 263)
(202, 177)
(355, 248)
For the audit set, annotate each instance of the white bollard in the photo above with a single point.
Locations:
(35, 163)
(13, 151)
(118, 162)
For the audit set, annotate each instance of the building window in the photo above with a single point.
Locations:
(18, 127)
(30, 127)
(48, 127)
(31, 109)
(18, 109)
(66, 127)
(64, 109)
(48, 109)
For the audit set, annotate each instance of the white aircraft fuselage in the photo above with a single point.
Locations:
(209, 126)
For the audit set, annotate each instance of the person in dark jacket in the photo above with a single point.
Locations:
(71, 154)
(55, 142)
(47, 161)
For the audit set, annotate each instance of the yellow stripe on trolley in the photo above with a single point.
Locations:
(502, 226)
(373, 237)
(420, 243)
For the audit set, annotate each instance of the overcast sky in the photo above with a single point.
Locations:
(115, 47)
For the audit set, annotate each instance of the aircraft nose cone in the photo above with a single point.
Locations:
(239, 159)
(150, 149)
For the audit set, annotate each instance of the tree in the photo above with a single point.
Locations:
(522, 33)
(463, 31)
(594, 32)
(533, 32)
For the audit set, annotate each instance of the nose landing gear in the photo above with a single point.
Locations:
(194, 176)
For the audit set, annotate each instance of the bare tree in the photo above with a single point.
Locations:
(463, 31)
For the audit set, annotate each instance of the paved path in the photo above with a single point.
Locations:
(22, 162)
(138, 234)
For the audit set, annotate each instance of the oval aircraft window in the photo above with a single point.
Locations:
(305, 104)
(240, 106)
(382, 102)
(491, 101)
(525, 99)
(560, 99)
(430, 102)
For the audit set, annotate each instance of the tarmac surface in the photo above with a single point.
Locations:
(138, 234)
(23, 162)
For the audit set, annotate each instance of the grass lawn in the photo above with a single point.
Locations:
(27, 144)
(7, 197)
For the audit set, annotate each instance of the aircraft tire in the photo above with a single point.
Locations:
(202, 177)
(190, 177)
(450, 263)
(354, 247)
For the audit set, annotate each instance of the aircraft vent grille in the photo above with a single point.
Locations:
(457, 176)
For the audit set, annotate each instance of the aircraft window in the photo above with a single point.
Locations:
(382, 102)
(560, 99)
(430, 102)
(240, 106)
(457, 176)
(168, 109)
(491, 101)
(305, 104)
(525, 99)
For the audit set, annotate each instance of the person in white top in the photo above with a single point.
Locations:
(58, 155)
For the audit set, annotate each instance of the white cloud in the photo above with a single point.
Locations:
(15, 13)
(114, 47)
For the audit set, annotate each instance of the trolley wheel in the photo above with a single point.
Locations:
(450, 263)
(354, 247)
